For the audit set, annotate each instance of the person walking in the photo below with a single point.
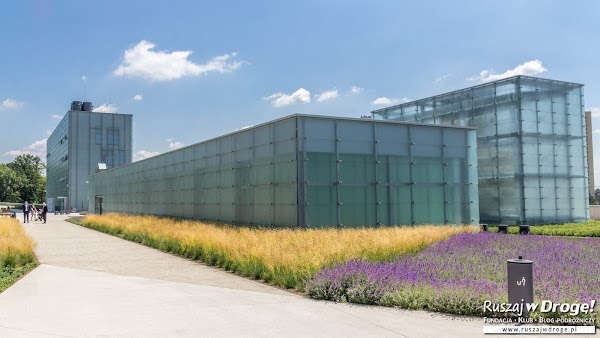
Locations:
(34, 212)
(44, 211)
(26, 208)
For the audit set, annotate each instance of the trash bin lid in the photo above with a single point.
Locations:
(519, 261)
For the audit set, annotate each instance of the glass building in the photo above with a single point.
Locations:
(81, 141)
(306, 171)
(531, 145)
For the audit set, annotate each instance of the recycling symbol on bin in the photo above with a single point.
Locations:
(522, 282)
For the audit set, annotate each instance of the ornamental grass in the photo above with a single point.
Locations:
(283, 257)
(457, 275)
(16, 248)
(16, 252)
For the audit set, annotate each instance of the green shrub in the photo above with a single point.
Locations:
(9, 275)
(583, 229)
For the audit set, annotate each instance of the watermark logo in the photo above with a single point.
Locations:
(546, 306)
(578, 317)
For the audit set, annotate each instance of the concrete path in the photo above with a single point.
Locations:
(64, 244)
(95, 285)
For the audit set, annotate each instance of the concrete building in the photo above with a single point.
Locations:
(531, 145)
(306, 171)
(590, 153)
(81, 141)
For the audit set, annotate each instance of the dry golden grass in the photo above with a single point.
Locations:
(282, 256)
(16, 248)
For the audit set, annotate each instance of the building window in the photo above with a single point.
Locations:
(106, 156)
(98, 136)
(121, 157)
(112, 136)
(109, 159)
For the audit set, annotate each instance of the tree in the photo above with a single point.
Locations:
(30, 185)
(8, 183)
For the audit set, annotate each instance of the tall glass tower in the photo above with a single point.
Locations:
(531, 145)
(81, 140)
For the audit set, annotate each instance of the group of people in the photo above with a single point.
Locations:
(35, 213)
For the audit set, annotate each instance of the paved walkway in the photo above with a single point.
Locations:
(64, 244)
(92, 284)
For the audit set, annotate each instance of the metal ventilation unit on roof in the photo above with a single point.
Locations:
(87, 106)
(76, 105)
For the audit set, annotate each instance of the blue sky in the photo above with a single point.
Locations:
(192, 70)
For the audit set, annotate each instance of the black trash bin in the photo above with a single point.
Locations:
(503, 228)
(520, 280)
(524, 229)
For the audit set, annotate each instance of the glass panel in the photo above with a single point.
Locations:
(321, 206)
(357, 206)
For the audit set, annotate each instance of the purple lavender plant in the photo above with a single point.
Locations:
(456, 275)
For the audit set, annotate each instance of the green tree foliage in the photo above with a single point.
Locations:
(8, 184)
(28, 183)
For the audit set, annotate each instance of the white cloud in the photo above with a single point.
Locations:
(597, 131)
(380, 101)
(442, 78)
(144, 154)
(83, 78)
(174, 144)
(595, 111)
(106, 108)
(532, 67)
(57, 117)
(138, 97)
(11, 104)
(37, 148)
(328, 95)
(280, 99)
(142, 61)
(356, 90)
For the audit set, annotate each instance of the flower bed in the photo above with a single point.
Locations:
(284, 257)
(458, 274)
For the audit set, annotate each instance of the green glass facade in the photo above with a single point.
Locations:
(531, 146)
(307, 171)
